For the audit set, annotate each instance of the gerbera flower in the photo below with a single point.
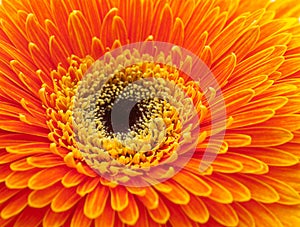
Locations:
(252, 48)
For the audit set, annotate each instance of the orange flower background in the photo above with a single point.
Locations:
(253, 49)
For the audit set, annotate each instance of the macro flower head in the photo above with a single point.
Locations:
(241, 119)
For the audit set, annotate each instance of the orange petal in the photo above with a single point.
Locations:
(45, 161)
(178, 217)
(130, 214)
(53, 219)
(136, 190)
(246, 42)
(196, 210)
(272, 156)
(235, 101)
(163, 13)
(287, 214)
(107, 218)
(292, 105)
(106, 28)
(244, 119)
(223, 69)
(238, 191)
(193, 26)
(289, 67)
(161, 214)
(273, 103)
(177, 34)
(79, 219)
(58, 52)
(21, 165)
(260, 191)
(8, 158)
(5, 171)
(224, 40)
(287, 174)
(6, 194)
(65, 200)
(15, 205)
(119, 30)
(97, 48)
(178, 195)
(18, 180)
(287, 194)
(246, 65)
(47, 177)
(29, 148)
(41, 60)
(119, 198)
(95, 202)
(245, 217)
(30, 217)
(291, 148)
(268, 136)
(226, 165)
(21, 127)
(245, 83)
(192, 183)
(72, 178)
(222, 213)
(180, 8)
(250, 164)
(150, 199)
(289, 122)
(279, 39)
(261, 214)
(237, 140)
(219, 193)
(87, 186)
(42, 198)
(79, 33)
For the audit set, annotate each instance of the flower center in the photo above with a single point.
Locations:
(134, 127)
